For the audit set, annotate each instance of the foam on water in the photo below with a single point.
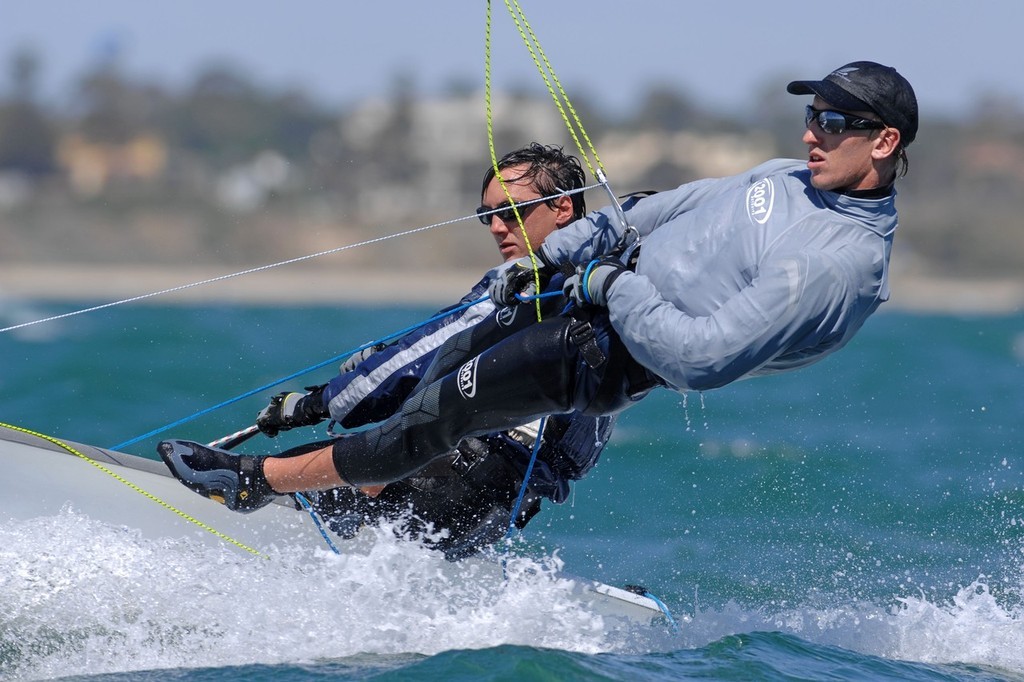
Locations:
(973, 628)
(82, 597)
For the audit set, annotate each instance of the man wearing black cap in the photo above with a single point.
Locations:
(762, 272)
(859, 96)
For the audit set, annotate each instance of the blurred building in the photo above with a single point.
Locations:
(427, 157)
(91, 166)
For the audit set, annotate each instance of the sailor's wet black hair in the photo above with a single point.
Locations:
(550, 169)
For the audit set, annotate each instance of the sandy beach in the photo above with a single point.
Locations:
(97, 284)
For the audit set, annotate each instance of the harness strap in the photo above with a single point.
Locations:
(581, 333)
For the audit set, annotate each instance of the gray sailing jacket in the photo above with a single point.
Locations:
(741, 276)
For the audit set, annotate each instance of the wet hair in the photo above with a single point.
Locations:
(549, 169)
(902, 162)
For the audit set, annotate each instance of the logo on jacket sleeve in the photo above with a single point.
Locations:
(506, 316)
(760, 199)
(467, 379)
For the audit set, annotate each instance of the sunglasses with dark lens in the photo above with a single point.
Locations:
(505, 212)
(837, 123)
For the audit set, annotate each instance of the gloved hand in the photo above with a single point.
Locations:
(289, 410)
(517, 277)
(589, 285)
(357, 358)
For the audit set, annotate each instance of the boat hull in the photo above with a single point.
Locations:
(43, 477)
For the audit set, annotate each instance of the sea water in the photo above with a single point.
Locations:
(859, 519)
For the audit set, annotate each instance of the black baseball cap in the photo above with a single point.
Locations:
(868, 86)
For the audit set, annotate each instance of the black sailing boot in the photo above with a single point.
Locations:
(234, 480)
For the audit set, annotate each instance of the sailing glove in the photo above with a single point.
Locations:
(589, 285)
(515, 277)
(289, 410)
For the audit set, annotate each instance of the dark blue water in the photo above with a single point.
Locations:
(859, 519)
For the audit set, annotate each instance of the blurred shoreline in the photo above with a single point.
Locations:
(100, 284)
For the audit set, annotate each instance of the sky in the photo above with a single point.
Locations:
(717, 53)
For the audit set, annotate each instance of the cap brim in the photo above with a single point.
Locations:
(830, 92)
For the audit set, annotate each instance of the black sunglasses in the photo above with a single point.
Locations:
(837, 123)
(505, 212)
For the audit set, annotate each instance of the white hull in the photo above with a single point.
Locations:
(42, 478)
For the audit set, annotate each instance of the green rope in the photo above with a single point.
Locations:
(562, 103)
(494, 161)
(532, 43)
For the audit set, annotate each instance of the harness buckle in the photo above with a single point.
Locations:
(581, 333)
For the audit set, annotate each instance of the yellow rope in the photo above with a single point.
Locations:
(494, 161)
(134, 487)
(532, 43)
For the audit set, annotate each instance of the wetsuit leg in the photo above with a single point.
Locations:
(533, 373)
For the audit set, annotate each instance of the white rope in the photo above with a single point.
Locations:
(261, 268)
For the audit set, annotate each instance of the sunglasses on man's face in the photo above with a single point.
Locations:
(837, 123)
(505, 212)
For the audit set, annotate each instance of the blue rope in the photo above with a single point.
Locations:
(522, 493)
(664, 609)
(585, 281)
(294, 375)
(319, 526)
(336, 358)
(549, 294)
(526, 477)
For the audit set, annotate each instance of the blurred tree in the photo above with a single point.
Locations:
(780, 114)
(27, 136)
(963, 189)
(666, 108)
(25, 67)
(391, 149)
(227, 119)
(112, 109)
